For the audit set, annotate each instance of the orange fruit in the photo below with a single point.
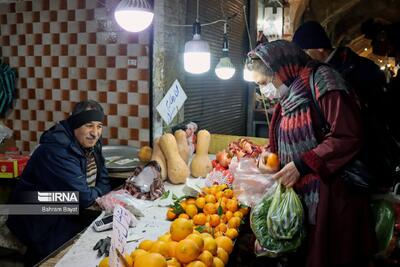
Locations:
(244, 211)
(171, 248)
(191, 201)
(173, 262)
(187, 251)
(210, 245)
(232, 233)
(209, 208)
(105, 262)
(217, 262)
(232, 205)
(214, 220)
(214, 189)
(138, 252)
(191, 210)
(184, 216)
(150, 259)
(219, 195)
(234, 222)
(272, 161)
(196, 264)
(160, 247)
(206, 257)
(197, 239)
(183, 204)
(165, 237)
(210, 198)
(221, 228)
(144, 154)
(229, 215)
(146, 245)
(200, 202)
(180, 228)
(223, 255)
(218, 233)
(238, 214)
(204, 235)
(170, 214)
(199, 219)
(128, 260)
(228, 193)
(225, 243)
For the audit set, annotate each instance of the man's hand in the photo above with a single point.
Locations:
(288, 175)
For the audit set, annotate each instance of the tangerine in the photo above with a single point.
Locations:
(180, 228)
(150, 259)
(187, 251)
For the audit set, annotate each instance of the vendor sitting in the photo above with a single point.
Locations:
(69, 158)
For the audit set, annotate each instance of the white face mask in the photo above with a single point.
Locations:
(270, 91)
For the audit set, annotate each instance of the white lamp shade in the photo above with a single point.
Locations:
(225, 69)
(133, 15)
(248, 75)
(197, 57)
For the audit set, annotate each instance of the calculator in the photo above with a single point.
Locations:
(104, 223)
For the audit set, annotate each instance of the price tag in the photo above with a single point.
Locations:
(119, 236)
(172, 102)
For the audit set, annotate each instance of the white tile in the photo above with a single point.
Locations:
(27, 17)
(64, 84)
(64, 38)
(38, 50)
(133, 49)
(22, 51)
(102, 85)
(92, 95)
(81, 61)
(72, 27)
(143, 111)
(133, 122)
(13, 39)
(122, 110)
(73, 50)
(121, 61)
(40, 115)
(100, 13)
(65, 106)
(112, 98)
(111, 74)
(72, 4)
(112, 50)
(37, 27)
(123, 133)
(82, 85)
(48, 124)
(91, 73)
(133, 74)
(6, 50)
(91, 26)
(23, 72)
(56, 73)
(33, 104)
(56, 94)
(55, 27)
(133, 98)
(17, 125)
(23, 93)
(47, 83)
(80, 15)
(14, 62)
(143, 87)
(33, 125)
(105, 132)
(63, 61)
(58, 116)
(25, 114)
(83, 38)
(74, 95)
(29, 39)
(44, 16)
(73, 73)
(55, 50)
(144, 135)
(122, 86)
(143, 63)
(21, 28)
(144, 37)
(46, 61)
(40, 93)
(91, 50)
(49, 104)
(39, 72)
(62, 15)
(11, 18)
(113, 121)
(101, 62)
(54, 5)
(134, 143)
(25, 135)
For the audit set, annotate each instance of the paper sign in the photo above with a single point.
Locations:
(119, 236)
(172, 102)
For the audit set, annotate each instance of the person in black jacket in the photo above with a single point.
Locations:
(68, 158)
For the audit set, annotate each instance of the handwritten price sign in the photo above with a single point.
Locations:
(119, 235)
(172, 102)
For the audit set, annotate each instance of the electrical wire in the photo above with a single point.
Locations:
(197, 16)
(247, 27)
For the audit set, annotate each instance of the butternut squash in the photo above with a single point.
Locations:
(201, 164)
(177, 169)
(183, 147)
(158, 156)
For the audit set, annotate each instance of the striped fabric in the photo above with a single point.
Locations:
(91, 168)
(7, 87)
(293, 134)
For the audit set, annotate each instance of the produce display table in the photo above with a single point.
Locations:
(151, 226)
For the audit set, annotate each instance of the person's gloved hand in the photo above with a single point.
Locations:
(103, 246)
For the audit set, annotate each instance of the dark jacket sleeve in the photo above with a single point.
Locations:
(63, 171)
(344, 140)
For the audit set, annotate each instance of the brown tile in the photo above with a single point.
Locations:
(73, 83)
(82, 25)
(5, 40)
(46, 27)
(33, 115)
(13, 29)
(36, 16)
(82, 73)
(134, 134)
(48, 94)
(123, 142)
(133, 110)
(57, 105)
(55, 38)
(30, 50)
(90, 14)
(65, 95)
(92, 85)
(24, 103)
(143, 99)
(72, 61)
(39, 83)
(46, 49)
(17, 114)
(47, 72)
(92, 38)
(45, 4)
(28, 6)
(122, 98)
(133, 38)
(122, 74)
(12, 7)
(143, 51)
(122, 50)
(105, 120)
(73, 38)
(38, 61)
(21, 61)
(105, 141)
(144, 75)
(56, 83)
(91, 61)
(19, 17)
(53, 15)
(3, 19)
(145, 123)
(71, 15)
(102, 97)
(40, 104)
(113, 109)
(14, 51)
(81, 4)
(31, 72)
(33, 136)
(83, 95)
(63, 4)
(21, 40)
(64, 50)
(101, 50)
(38, 39)
(49, 115)
(41, 125)
(63, 27)
(144, 143)
(25, 125)
(112, 86)
(54, 61)
(23, 82)
(110, 62)
(25, 146)
(31, 93)
(64, 73)
(123, 121)
(113, 132)
(132, 86)
(101, 74)
(82, 50)
(28, 28)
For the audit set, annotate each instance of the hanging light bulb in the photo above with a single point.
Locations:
(134, 15)
(197, 57)
(225, 69)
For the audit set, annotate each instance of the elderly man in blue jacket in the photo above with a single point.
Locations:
(69, 158)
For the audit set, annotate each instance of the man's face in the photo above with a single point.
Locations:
(89, 133)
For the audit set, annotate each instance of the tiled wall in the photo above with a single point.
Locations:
(70, 50)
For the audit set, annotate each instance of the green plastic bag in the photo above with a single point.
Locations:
(384, 219)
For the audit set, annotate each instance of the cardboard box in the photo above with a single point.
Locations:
(11, 166)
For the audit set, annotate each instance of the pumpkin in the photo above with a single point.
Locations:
(177, 169)
(201, 163)
(158, 156)
(183, 147)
